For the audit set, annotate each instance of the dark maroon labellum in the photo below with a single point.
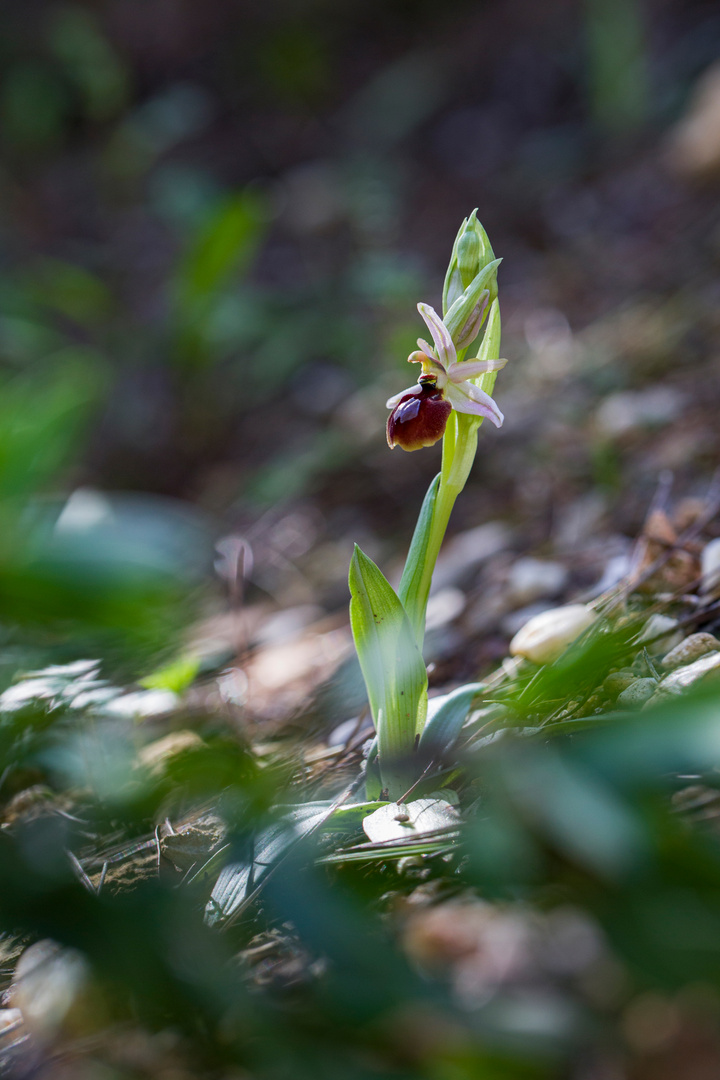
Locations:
(418, 419)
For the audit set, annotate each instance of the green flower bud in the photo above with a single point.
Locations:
(481, 290)
(471, 254)
(468, 256)
(453, 286)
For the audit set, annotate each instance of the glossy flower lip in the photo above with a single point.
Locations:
(444, 374)
(418, 419)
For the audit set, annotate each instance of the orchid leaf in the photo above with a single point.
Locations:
(446, 716)
(238, 879)
(393, 669)
(415, 583)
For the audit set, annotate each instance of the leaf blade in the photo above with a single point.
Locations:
(415, 584)
(393, 669)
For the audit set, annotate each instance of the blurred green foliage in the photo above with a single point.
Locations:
(579, 822)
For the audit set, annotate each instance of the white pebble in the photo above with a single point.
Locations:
(629, 410)
(654, 626)
(710, 566)
(544, 637)
(444, 607)
(683, 677)
(692, 648)
(532, 579)
(637, 693)
(8, 1019)
(49, 980)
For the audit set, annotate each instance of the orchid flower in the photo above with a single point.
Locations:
(420, 413)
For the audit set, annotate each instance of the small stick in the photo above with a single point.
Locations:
(77, 867)
(101, 882)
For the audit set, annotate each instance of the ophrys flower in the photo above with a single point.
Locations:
(419, 414)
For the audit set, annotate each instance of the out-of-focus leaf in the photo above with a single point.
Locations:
(177, 676)
(90, 62)
(586, 818)
(113, 576)
(41, 420)
(70, 290)
(238, 879)
(224, 245)
(34, 106)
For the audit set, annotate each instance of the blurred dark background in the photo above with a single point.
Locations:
(217, 219)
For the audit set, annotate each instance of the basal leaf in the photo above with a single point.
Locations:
(393, 669)
(446, 716)
(415, 583)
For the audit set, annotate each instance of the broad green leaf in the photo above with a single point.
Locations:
(415, 583)
(238, 879)
(393, 669)
(446, 716)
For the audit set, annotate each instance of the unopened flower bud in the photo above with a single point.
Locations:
(418, 419)
(468, 255)
(472, 253)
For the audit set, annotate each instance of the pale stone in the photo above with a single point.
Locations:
(683, 677)
(8, 1019)
(533, 579)
(398, 821)
(618, 681)
(637, 693)
(444, 607)
(654, 626)
(515, 620)
(49, 980)
(629, 410)
(689, 650)
(694, 143)
(466, 551)
(710, 566)
(288, 624)
(159, 755)
(544, 637)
